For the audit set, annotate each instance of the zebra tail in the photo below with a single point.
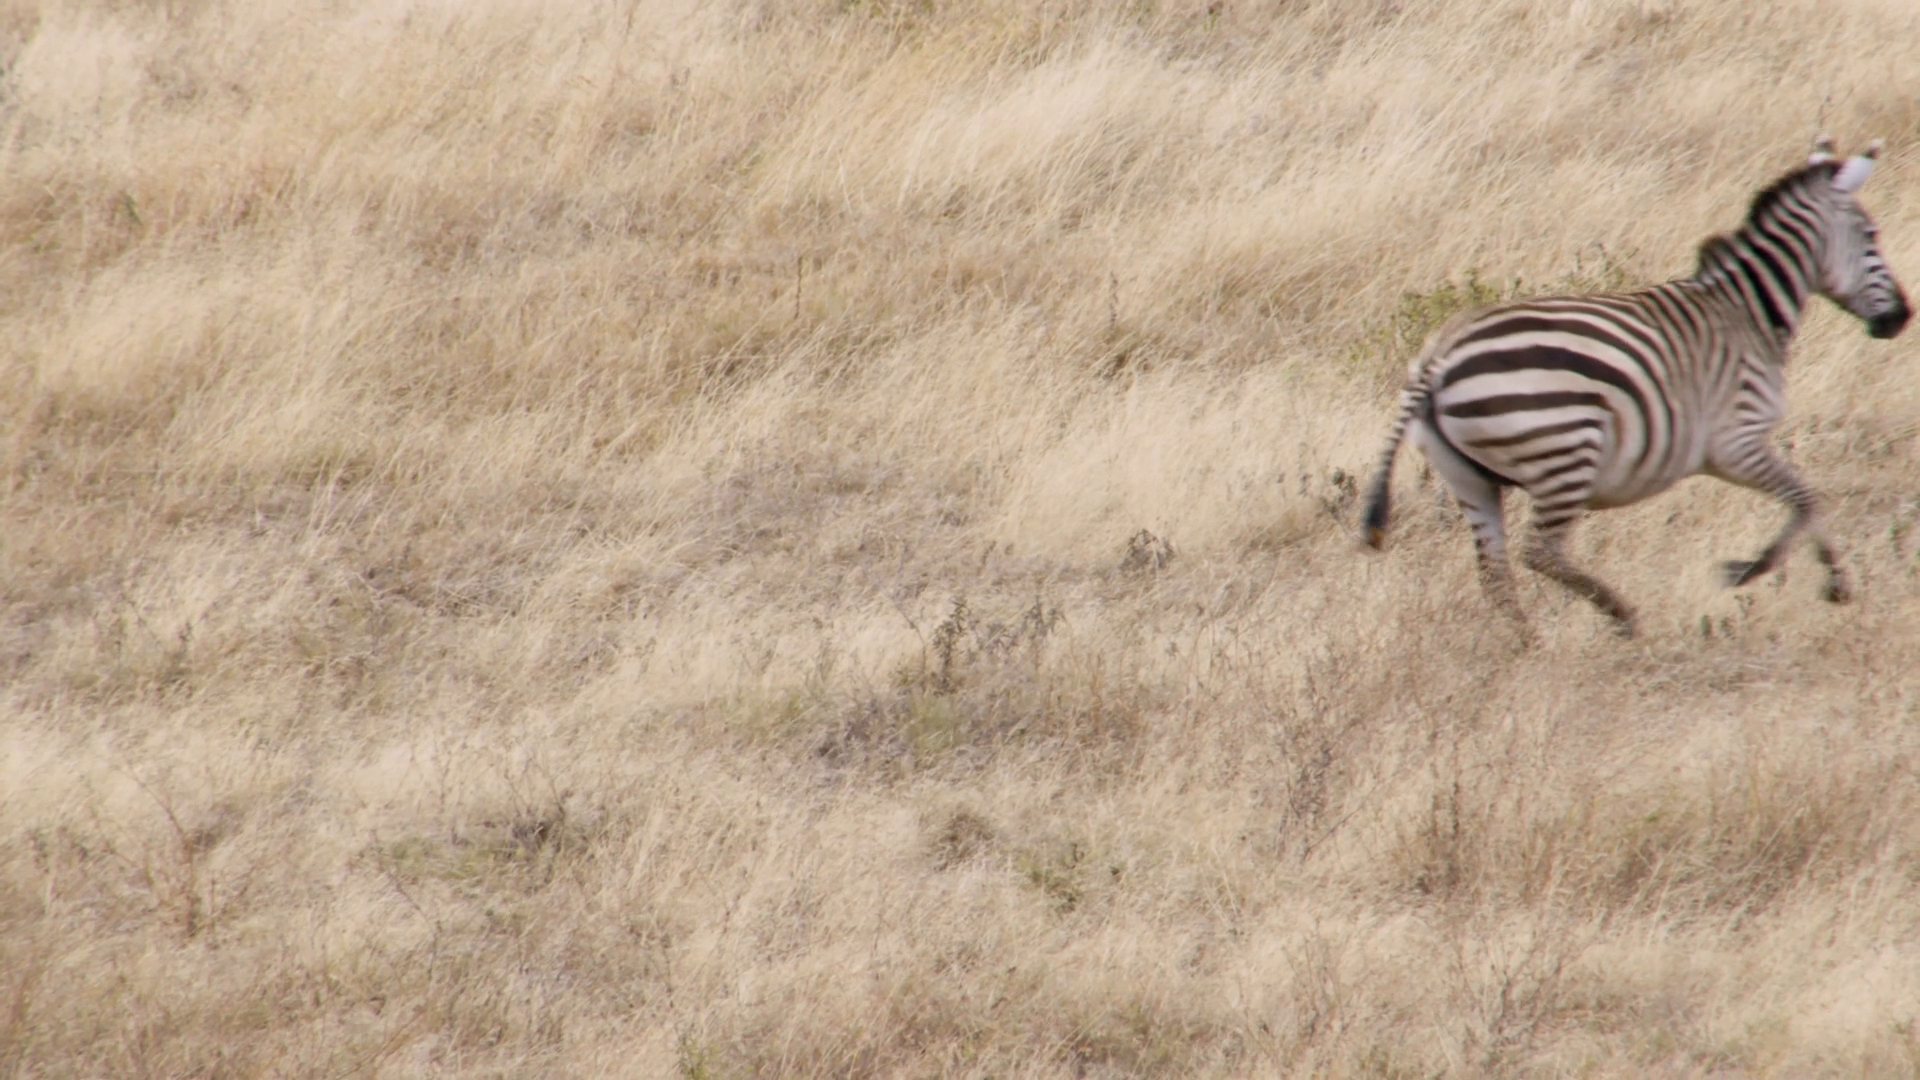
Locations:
(1413, 400)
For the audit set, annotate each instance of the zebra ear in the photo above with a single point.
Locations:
(1822, 150)
(1855, 172)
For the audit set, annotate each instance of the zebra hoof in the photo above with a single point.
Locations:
(1738, 572)
(1838, 591)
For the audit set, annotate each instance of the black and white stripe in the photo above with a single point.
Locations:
(1588, 402)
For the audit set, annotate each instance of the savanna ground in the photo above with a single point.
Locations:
(815, 539)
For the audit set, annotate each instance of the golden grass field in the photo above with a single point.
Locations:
(816, 538)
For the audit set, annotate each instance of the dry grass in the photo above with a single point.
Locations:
(814, 539)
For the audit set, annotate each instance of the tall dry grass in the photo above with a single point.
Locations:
(813, 539)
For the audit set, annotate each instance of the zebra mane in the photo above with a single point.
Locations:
(1718, 250)
(1788, 184)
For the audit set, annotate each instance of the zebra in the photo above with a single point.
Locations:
(1602, 400)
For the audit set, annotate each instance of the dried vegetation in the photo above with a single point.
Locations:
(813, 538)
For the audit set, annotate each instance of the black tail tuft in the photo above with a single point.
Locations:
(1374, 525)
(1414, 402)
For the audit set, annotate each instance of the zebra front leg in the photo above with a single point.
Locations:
(1738, 572)
(1546, 555)
(1753, 464)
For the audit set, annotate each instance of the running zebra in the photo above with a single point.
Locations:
(1589, 402)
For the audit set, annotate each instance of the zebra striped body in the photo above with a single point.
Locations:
(1557, 392)
(1598, 401)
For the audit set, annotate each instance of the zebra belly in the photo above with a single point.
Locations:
(1636, 489)
(1655, 473)
(1567, 448)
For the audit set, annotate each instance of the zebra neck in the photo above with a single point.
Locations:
(1761, 275)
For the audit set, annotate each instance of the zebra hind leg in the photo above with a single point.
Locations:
(1482, 501)
(1488, 519)
(1546, 555)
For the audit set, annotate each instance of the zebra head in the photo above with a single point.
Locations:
(1853, 272)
